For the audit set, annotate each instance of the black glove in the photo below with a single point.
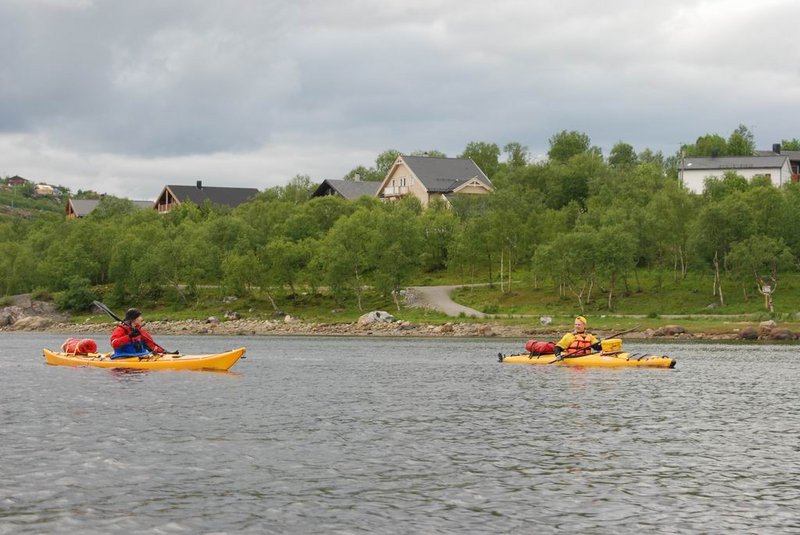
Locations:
(557, 352)
(134, 332)
(597, 347)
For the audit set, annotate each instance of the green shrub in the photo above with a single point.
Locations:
(41, 294)
(78, 295)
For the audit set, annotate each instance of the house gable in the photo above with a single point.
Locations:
(473, 186)
(348, 189)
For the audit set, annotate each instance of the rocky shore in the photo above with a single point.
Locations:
(42, 316)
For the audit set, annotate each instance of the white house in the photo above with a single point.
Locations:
(694, 171)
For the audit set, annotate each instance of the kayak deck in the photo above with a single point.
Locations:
(608, 360)
(214, 361)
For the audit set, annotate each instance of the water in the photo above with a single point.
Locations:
(358, 435)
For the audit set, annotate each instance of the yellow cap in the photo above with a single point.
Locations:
(581, 319)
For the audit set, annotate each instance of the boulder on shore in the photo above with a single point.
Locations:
(10, 315)
(32, 323)
(781, 334)
(669, 330)
(376, 316)
(749, 333)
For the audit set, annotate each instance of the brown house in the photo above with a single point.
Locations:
(433, 178)
(17, 180)
(172, 196)
(348, 189)
(80, 207)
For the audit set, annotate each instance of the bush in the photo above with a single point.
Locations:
(78, 296)
(6, 301)
(41, 294)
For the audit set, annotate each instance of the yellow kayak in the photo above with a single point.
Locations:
(215, 361)
(618, 360)
(611, 356)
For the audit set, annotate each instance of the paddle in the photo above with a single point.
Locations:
(622, 332)
(110, 312)
(107, 310)
(572, 355)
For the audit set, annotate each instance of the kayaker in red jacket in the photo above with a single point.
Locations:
(130, 339)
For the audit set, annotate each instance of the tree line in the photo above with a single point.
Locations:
(578, 222)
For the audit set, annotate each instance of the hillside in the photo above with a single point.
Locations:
(13, 205)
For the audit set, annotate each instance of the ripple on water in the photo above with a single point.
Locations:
(374, 435)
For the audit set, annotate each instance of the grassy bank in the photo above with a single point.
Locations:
(651, 301)
(648, 293)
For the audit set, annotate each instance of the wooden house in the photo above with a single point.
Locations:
(173, 195)
(430, 178)
(348, 189)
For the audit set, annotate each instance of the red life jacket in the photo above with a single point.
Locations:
(581, 345)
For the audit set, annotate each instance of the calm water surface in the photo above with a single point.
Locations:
(358, 435)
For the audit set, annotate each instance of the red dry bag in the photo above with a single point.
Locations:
(79, 347)
(539, 348)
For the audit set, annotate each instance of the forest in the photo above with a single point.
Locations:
(577, 226)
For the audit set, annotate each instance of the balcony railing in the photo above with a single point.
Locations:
(393, 191)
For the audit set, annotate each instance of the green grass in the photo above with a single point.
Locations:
(646, 297)
(14, 203)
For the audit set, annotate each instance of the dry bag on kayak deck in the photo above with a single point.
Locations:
(84, 346)
(536, 347)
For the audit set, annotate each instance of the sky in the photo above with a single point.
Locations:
(125, 96)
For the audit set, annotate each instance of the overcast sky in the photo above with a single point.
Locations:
(123, 97)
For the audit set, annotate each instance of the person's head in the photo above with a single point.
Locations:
(580, 324)
(133, 317)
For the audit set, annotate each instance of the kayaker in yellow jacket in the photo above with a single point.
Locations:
(578, 342)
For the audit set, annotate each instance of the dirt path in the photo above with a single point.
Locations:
(438, 298)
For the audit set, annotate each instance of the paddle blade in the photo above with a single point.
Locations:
(105, 309)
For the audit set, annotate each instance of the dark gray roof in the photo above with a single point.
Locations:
(444, 174)
(83, 207)
(791, 154)
(735, 162)
(225, 196)
(349, 189)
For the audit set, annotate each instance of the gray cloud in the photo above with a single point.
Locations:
(112, 93)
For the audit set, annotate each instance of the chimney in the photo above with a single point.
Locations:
(714, 153)
(357, 177)
(199, 184)
(776, 148)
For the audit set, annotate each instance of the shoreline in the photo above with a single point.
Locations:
(252, 327)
